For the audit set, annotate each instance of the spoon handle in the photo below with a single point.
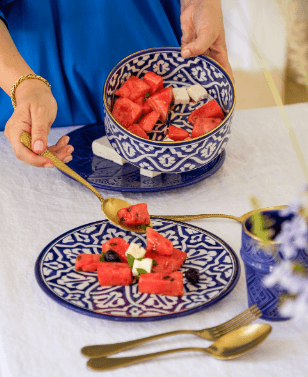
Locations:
(202, 216)
(26, 140)
(103, 350)
(110, 363)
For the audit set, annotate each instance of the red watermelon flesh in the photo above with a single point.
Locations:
(112, 273)
(136, 214)
(148, 122)
(170, 284)
(204, 125)
(126, 112)
(118, 245)
(210, 109)
(158, 243)
(177, 134)
(161, 102)
(154, 81)
(143, 102)
(87, 262)
(166, 263)
(133, 88)
(137, 130)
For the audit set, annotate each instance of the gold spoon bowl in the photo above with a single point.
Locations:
(229, 346)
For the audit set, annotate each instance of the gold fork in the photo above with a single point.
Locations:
(211, 333)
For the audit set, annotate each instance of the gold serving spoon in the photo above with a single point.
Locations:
(229, 346)
(110, 206)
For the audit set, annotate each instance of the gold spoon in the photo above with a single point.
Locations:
(229, 346)
(110, 206)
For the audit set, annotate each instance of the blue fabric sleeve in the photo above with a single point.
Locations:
(4, 3)
(3, 18)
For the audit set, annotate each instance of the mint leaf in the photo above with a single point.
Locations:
(102, 258)
(145, 226)
(130, 260)
(141, 271)
(147, 95)
(154, 263)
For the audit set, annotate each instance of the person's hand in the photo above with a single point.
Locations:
(35, 112)
(203, 31)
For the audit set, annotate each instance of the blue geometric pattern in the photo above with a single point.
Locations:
(55, 270)
(174, 157)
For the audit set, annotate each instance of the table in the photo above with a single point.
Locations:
(38, 337)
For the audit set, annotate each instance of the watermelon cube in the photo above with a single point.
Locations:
(210, 109)
(204, 125)
(126, 112)
(154, 81)
(148, 122)
(143, 102)
(161, 102)
(170, 284)
(136, 214)
(177, 134)
(87, 262)
(137, 130)
(118, 245)
(112, 273)
(158, 243)
(167, 263)
(133, 88)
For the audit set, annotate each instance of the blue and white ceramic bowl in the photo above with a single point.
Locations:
(180, 156)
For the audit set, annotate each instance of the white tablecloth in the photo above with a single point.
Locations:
(40, 338)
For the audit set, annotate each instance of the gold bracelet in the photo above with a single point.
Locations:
(23, 78)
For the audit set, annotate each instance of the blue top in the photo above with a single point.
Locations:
(75, 44)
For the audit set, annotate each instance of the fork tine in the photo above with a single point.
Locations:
(242, 319)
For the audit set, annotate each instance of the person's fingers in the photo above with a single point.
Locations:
(13, 130)
(188, 29)
(199, 45)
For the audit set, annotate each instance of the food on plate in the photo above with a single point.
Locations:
(180, 96)
(136, 214)
(154, 81)
(135, 251)
(177, 133)
(161, 102)
(197, 92)
(158, 243)
(126, 112)
(117, 244)
(210, 109)
(133, 88)
(167, 263)
(111, 273)
(135, 129)
(162, 283)
(120, 262)
(101, 147)
(142, 266)
(192, 275)
(87, 262)
(149, 173)
(204, 125)
(148, 121)
(143, 102)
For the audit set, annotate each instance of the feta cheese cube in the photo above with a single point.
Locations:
(197, 92)
(102, 148)
(149, 173)
(145, 264)
(180, 95)
(135, 251)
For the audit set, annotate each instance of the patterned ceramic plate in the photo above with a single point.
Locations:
(216, 262)
(107, 175)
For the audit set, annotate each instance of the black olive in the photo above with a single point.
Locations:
(192, 275)
(111, 256)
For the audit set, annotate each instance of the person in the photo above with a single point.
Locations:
(74, 46)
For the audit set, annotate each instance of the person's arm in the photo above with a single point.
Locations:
(36, 107)
(203, 31)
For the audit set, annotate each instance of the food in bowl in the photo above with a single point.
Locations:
(165, 156)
